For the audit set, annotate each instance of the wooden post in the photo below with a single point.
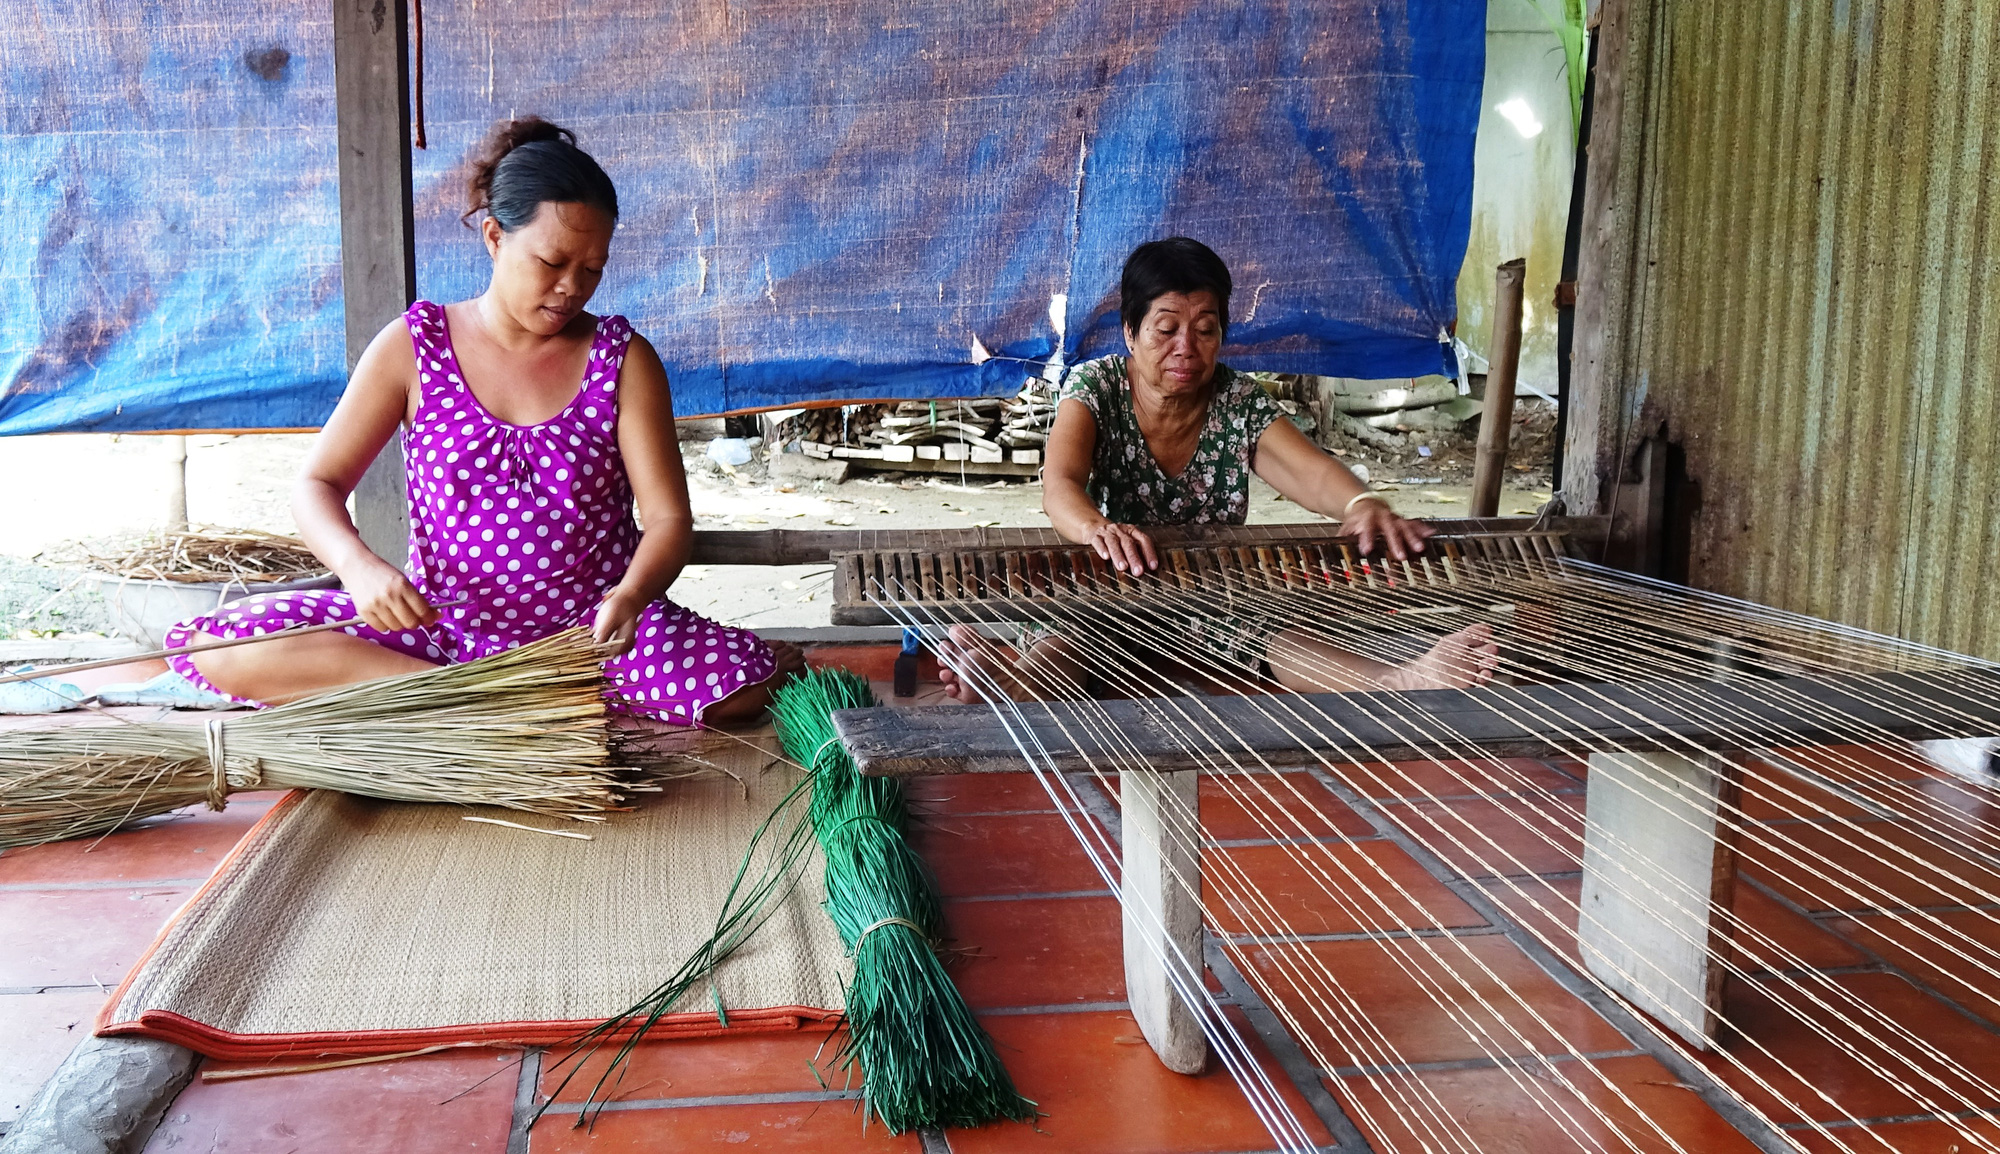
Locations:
(1611, 240)
(1659, 876)
(177, 483)
(378, 254)
(1650, 520)
(1503, 359)
(1162, 909)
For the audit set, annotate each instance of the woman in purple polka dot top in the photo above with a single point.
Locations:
(531, 429)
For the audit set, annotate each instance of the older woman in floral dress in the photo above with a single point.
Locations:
(1168, 435)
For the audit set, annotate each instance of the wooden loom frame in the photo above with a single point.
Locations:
(946, 739)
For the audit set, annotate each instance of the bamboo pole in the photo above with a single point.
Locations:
(196, 647)
(1503, 358)
(177, 651)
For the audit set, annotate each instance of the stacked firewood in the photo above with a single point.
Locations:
(979, 430)
(1025, 420)
(965, 426)
(824, 426)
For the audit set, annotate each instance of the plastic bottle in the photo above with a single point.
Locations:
(906, 665)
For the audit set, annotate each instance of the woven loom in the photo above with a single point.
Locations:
(1717, 733)
(1010, 571)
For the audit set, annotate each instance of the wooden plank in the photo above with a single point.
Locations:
(971, 468)
(1659, 870)
(810, 546)
(1509, 721)
(378, 251)
(1161, 886)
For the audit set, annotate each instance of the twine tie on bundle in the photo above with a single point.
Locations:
(218, 782)
(863, 935)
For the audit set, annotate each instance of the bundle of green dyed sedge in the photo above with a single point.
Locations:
(924, 1059)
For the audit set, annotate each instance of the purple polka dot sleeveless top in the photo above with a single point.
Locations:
(529, 523)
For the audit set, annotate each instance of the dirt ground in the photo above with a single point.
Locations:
(103, 488)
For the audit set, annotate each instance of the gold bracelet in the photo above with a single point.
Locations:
(1363, 495)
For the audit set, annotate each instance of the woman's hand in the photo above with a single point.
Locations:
(386, 600)
(1371, 518)
(618, 622)
(1126, 546)
(1304, 472)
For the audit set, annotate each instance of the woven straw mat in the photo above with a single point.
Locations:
(343, 915)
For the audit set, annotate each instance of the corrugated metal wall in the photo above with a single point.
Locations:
(1818, 254)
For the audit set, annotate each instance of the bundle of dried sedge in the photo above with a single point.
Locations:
(208, 554)
(525, 729)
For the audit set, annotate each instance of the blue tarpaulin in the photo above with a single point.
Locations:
(821, 200)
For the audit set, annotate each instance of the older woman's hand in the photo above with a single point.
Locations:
(1373, 519)
(1126, 546)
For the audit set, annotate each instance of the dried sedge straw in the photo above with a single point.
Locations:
(523, 730)
(244, 556)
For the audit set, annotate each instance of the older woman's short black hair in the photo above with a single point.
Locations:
(1177, 264)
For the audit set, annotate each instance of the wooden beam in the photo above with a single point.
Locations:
(1509, 721)
(812, 546)
(1609, 268)
(378, 253)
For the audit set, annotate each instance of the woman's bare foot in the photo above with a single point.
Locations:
(968, 665)
(1458, 661)
(750, 701)
(789, 657)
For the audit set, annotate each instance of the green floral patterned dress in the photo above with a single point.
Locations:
(1128, 484)
(1130, 487)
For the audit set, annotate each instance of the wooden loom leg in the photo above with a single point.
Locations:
(1659, 872)
(1162, 917)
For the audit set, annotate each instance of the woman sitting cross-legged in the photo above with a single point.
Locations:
(1167, 435)
(531, 430)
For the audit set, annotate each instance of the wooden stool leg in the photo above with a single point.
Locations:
(1161, 855)
(1659, 873)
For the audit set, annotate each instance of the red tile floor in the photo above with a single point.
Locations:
(1037, 942)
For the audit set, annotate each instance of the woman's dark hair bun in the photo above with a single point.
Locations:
(526, 162)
